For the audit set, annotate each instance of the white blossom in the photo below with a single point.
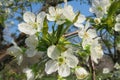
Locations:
(81, 73)
(87, 34)
(32, 23)
(70, 15)
(96, 51)
(117, 66)
(80, 20)
(29, 73)
(55, 14)
(60, 61)
(32, 43)
(106, 70)
(99, 7)
(17, 52)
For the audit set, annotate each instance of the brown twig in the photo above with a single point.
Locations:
(92, 68)
(70, 34)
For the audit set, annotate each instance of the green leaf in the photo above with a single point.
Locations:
(59, 32)
(45, 28)
(113, 8)
(111, 12)
(76, 17)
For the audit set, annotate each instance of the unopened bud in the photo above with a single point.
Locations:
(97, 20)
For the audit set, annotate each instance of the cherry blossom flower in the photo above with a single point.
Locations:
(81, 73)
(87, 34)
(96, 51)
(60, 61)
(17, 52)
(99, 7)
(32, 43)
(55, 14)
(70, 15)
(32, 23)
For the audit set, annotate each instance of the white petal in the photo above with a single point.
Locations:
(40, 17)
(69, 13)
(71, 60)
(96, 51)
(31, 52)
(78, 25)
(106, 70)
(14, 50)
(91, 10)
(19, 59)
(92, 33)
(64, 70)
(81, 33)
(59, 22)
(29, 17)
(17, 52)
(81, 19)
(50, 18)
(117, 27)
(52, 11)
(53, 52)
(26, 28)
(29, 73)
(31, 41)
(81, 73)
(86, 42)
(87, 25)
(51, 66)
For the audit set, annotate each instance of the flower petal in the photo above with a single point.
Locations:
(117, 27)
(71, 60)
(50, 18)
(69, 13)
(92, 33)
(53, 52)
(52, 11)
(86, 42)
(64, 70)
(26, 28)
(78, 25)
(51, 66)
(81, 19)
(40, 17)
(81, 73)
(29, 17)
(17, 52)
(14, 50)
(29, 73)
(96, 51)
(31, 52)
(19, 59)
(31, 41)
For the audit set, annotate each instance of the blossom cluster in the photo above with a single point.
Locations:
(61, 58)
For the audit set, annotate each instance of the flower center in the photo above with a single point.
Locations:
(35, 25)
(99, 8)
(61, 60)
(86, 35)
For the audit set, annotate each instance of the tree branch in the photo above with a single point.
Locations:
(70, 34)
(92, 68)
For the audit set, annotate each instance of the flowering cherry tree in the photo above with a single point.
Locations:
(59, 58)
